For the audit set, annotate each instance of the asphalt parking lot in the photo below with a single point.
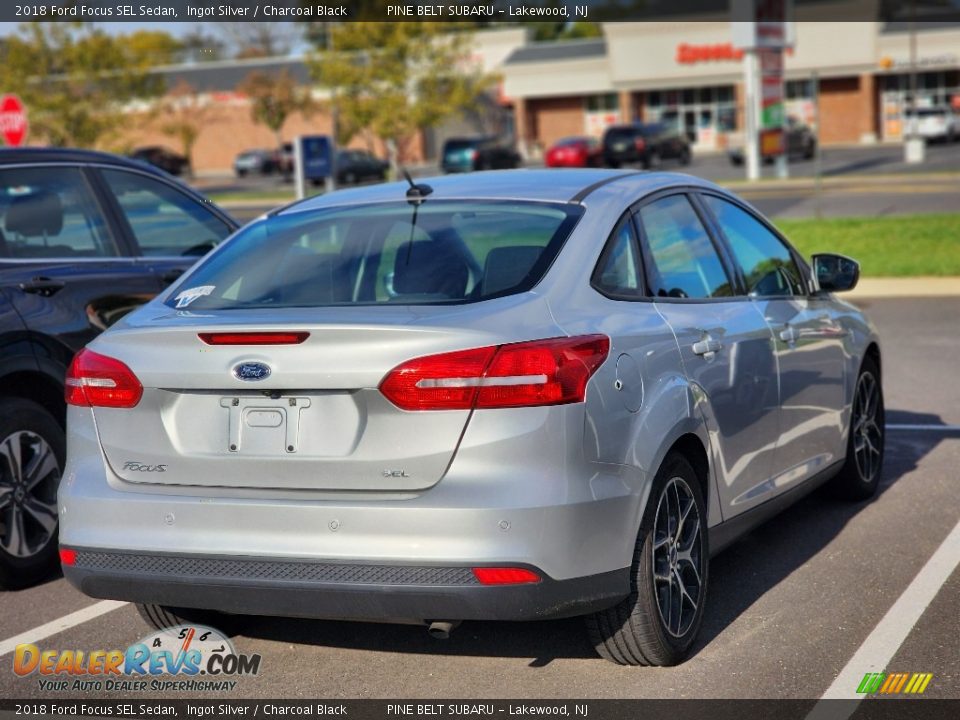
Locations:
(862, 181)
(790, 604)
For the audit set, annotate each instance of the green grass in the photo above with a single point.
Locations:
(906, 246)
(254, 198)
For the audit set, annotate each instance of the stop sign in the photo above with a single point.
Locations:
(13, 120)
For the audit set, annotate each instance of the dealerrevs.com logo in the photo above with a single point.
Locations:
(182, 658)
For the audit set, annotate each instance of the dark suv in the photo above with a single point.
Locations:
(478, 153)
(646, 144)
(85, 237)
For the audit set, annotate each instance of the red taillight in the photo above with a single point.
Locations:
(505, 576)
(95, 380)
(640, 144)
(542, 372)
(254, 338)
(68, 556)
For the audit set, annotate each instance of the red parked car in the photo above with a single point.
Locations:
(580, 151)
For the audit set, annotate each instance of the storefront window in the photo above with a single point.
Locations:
(934, 89)
(603, 103)
(602, 111)
(699, 113)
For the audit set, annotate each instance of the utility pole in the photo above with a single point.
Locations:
(751, 113)
(331, 182)
(914, 148)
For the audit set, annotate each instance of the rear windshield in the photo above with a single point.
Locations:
(452, 146)
(623, 133)
(449, 252)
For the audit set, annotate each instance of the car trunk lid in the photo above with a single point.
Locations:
(316, 421)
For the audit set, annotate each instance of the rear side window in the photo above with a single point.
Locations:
(618, 273)
(50, 212)
(683, 261)
(165, 221)
(448, 252)
(767, 264)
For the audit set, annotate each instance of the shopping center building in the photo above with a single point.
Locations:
(688, 74)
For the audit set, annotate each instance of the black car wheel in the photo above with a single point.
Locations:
(657, 623)
(860, 476)
(32, 457)
(161, 617)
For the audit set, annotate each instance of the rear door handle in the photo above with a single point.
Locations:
(43, 286)
(707, 346)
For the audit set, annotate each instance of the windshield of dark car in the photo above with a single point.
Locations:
(452, 252)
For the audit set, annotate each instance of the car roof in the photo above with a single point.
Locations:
(73, 156)
(544, 185)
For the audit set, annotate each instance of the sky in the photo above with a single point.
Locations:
(174, 28)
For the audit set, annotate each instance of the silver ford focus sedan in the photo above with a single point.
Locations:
(504, 396)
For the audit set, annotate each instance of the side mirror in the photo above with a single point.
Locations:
(835, 273)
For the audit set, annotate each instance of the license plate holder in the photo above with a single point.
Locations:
(264, 426)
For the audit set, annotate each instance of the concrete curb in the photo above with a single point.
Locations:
(916, 287)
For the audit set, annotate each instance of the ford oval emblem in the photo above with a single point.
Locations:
(251, 371)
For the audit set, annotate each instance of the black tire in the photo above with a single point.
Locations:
(161, 617)
(634, 631)
(859, 477)
(651, 160)
(685, 156)
(39, 435)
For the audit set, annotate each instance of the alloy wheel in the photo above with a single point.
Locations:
(29, 476)
(677, 557)
(867, 432)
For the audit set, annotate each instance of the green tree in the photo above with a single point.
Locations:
(76, 81)
(199, 47)
(395, 79)
(274, 98)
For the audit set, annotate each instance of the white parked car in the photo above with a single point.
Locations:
(934, 123)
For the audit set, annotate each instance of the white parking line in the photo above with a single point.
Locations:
(887, 637)
(60, 624)
(932, 428)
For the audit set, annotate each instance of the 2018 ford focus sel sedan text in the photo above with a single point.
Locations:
(510, 396)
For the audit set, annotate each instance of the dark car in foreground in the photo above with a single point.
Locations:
(511, 395)
(478, 153)
(644, 144)
(85, 237)
(163, 158)
(576, 151)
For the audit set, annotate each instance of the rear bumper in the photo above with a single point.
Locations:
(317, 589)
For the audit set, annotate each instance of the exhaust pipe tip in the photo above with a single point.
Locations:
(441, 629)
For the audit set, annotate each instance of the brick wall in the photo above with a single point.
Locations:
(555, 118)
(228, 130)
(847, 109)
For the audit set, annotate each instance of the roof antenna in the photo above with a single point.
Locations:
(417, 192)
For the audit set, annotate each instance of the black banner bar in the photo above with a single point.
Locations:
(494, 11)
(868, 709)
